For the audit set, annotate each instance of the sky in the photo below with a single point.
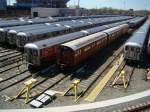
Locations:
(119, 4)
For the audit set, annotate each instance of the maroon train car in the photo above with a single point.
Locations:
(74, 52)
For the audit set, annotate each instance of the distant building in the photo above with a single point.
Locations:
(41, 3)
(47, 12)
(3, 4)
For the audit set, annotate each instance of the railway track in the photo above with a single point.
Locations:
(44, 84)
(12, 60)
(87, 82)
(85, 85)
(14, 79)
(141, 107)
(51, 79)
(129, 71)
(4, 50)
(8, 53)
(11, 66)
(2, 59)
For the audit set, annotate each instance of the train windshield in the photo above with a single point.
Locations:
(31, 55)
(3, 35)
(132, 49)
(137, 49)
(21, 40)
(34, 52)
(12, 37)
(126, 48)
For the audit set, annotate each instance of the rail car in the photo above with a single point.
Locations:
(59, 29)
(47, 49)
(62, 28)
(83, 17)
(134, 48)
(41, 52)
(16, 29)
(4, 31)
(38, 20)
(23, 38)
(11, 23)
(74, 52)
(47, 46)
(12, 34)
(137, 22)
(14, 23)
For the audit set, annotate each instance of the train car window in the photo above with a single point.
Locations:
(35, 52)
(126, 48)
(49, 34)
(79, 51)
(98, 42)
(137, 49)
(132, 49)
(61, 33)
(53, 33)
(87, 48)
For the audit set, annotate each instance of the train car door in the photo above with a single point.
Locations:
(35, 14)
(65, 56)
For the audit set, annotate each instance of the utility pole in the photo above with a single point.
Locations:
(9, 3)
(78, 3)
(124, 4)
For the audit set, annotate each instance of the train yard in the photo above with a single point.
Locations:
(74, 82)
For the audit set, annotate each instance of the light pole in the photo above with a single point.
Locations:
(78, 3)
(124, 4)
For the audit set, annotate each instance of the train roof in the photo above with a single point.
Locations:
(138, 38)
(108, 31)
(81, 42)
(66, 23)
(18, 28)
(53, 28)
(64, 38)
(68, 37)
(137, 19)
(54, 41)
(41, 31)
(15, 23)
(34, 27)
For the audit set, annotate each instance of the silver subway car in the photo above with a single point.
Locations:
(134, 48)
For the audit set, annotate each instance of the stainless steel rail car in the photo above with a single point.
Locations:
(134, 48)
